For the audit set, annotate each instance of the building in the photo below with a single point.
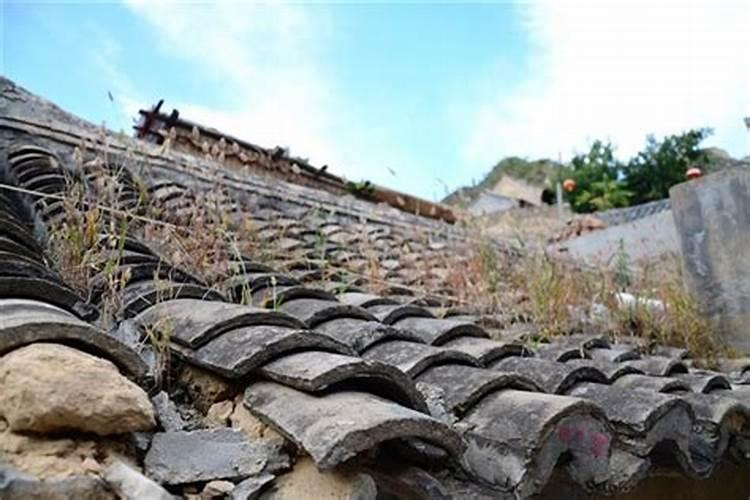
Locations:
(309, 346)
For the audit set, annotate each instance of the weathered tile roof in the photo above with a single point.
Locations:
(391, 377)
(159, 128)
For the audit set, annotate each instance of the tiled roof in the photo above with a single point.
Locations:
(618, 216)
(183, 135)
(372, 377)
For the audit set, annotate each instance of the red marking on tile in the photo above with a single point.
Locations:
(564, 433)
(579, 435)
(599, 444)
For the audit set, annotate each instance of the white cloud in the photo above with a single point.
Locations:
(620, 70)
(268, 62)
(262, 60)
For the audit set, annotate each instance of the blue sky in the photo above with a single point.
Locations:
(421, 97)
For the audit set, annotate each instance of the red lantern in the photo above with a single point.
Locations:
(693, 173)
(569, 185)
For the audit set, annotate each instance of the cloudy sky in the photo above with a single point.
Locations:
(422, 97)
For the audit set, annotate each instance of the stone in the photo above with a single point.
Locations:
(78, 487)
(141, 441)
(58, 457)
(216, 489)
(167, 414)
(306, 481)
(51, 387)
(242, 419)
(712, 216)
(132, 485)
(204, 387)
(400, 480)
(251, 488)
(206, 455)
(220, 412)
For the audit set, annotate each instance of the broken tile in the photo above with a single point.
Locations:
(191, 456)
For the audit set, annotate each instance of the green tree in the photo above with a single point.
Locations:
(597, 175)
(662, 164)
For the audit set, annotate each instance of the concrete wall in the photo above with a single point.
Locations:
(645, 238)
(712, 216)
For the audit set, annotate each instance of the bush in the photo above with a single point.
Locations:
(603, 183)
(598, 180)
(662, 164)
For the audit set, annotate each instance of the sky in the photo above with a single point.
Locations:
(421, 97)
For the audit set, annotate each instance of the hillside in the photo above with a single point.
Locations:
(537, 172)
(534, 172)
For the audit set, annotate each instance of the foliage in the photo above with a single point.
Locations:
(597, 175)
(603, 183)
(662, 164)
(363, 189)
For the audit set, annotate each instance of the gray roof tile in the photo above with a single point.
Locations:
(195, 322)
(413, 358)
(336, 427)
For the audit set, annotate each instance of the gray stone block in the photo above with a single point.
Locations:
(189, 457)
(712, 216)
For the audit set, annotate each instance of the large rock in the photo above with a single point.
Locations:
(51, 387)
(47, 457)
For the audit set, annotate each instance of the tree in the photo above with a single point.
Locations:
(597, 175)
(662, 164)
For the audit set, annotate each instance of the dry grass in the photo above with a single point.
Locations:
(558, 297)
(85, 242)
(561, 297)
(530, 224)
